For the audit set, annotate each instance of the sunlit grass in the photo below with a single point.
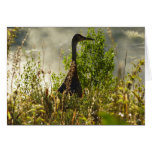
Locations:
(33, 104)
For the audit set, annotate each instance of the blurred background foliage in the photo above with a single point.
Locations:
(107, 99)
(11, 35)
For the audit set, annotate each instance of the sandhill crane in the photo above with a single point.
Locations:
(72, 84)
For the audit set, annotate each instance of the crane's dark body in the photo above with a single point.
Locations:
(72, 84)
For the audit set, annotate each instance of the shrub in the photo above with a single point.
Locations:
(95, 64)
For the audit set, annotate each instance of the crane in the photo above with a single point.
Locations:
(72, 84)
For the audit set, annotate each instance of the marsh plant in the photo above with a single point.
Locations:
(105, 101)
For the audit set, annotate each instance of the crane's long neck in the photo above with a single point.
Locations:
(74, 45)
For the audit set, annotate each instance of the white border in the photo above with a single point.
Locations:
(74, 13)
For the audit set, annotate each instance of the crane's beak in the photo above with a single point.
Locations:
(87, 38)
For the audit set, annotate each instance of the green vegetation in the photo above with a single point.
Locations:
(95, 65)
(106, 99)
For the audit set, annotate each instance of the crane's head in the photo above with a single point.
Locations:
(78, 38)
